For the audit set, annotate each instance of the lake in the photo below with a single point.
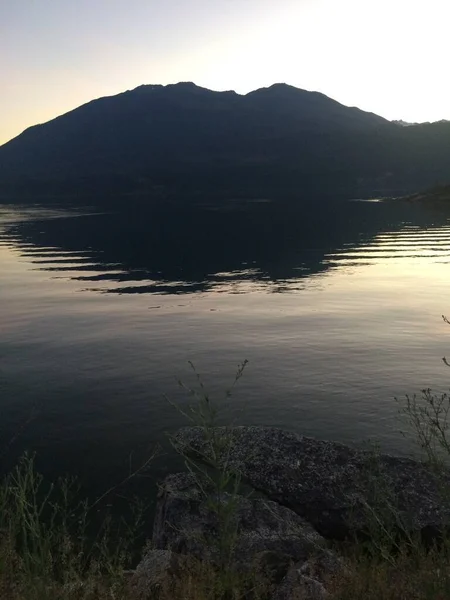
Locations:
(336, 305)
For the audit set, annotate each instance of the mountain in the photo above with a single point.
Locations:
(404, 123)
(409, 124)
(182, 138)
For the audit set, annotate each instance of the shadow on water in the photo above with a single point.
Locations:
(138, 249)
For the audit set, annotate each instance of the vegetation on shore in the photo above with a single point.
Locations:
(50, 550)
(437, 195)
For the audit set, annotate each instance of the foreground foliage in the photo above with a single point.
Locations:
(49, 548)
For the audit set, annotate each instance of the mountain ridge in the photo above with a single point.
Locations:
(192, 86)
(182, 137)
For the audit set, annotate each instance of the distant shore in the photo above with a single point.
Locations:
(438, 194)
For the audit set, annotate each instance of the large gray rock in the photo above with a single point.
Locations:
(162, 573)
(296, 586)
(308, 580)
(336, 488)
(259, 531)
(165, 574)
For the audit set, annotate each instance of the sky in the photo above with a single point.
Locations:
(390, 57)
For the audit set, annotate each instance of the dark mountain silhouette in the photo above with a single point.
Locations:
(281, 140)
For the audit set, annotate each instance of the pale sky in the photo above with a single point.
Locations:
(391, 57)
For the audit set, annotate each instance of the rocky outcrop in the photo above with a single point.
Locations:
(334, 487)
(166, 574)
(264, 545)
(161, 573)
(186, 523)
(308, 580)
(312, 489)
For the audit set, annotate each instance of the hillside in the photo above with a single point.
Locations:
(436, 195)
(183, 138)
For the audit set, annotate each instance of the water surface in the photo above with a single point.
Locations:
(336, 306)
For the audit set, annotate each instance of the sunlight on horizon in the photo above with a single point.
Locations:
(384, 57)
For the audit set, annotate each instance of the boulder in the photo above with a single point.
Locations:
(336, 488)
(165, 574)
(308, 580)
(259, 534)
(162, 573)
(296, 586)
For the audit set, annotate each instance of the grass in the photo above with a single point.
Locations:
(219, 484)
(48, 550)
(44, 549)
(418, 575)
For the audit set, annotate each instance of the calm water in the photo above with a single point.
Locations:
(337, 308)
